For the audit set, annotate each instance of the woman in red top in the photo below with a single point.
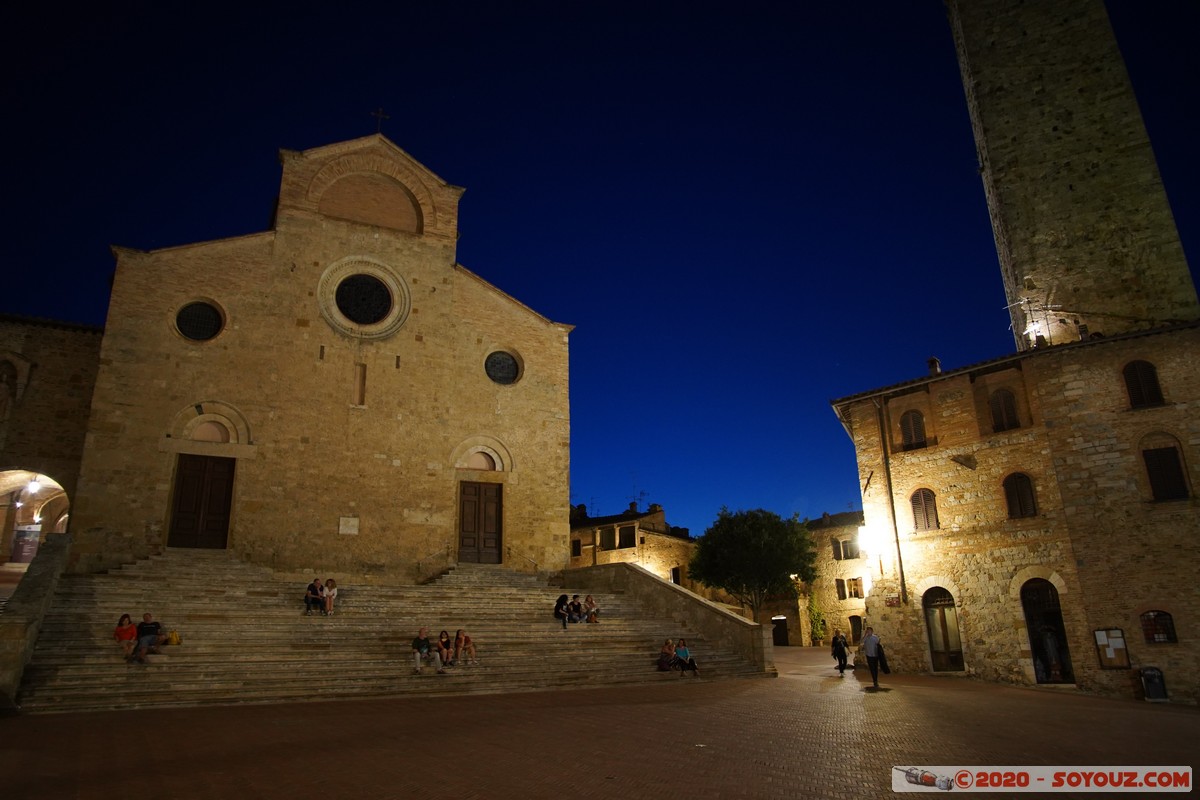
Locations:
(125, 634)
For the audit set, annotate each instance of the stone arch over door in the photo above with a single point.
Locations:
(942, 630)
(483, 465)
(1046, 632)
(207, 438)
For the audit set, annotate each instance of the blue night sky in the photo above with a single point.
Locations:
(738, 210)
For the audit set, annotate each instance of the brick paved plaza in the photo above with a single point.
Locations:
(808, 733)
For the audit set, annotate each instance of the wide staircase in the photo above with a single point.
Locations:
(246, 638)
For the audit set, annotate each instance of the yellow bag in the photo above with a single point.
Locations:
(173, 637)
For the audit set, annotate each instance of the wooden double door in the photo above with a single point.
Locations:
(480, 522)
(202, 498)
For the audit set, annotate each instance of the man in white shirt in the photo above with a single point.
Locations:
(870, 648)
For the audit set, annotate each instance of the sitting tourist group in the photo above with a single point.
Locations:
(573, 610)
(319, 597)
(677, 655)
(445, 651)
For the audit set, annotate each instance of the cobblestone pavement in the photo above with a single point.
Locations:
(806, 734)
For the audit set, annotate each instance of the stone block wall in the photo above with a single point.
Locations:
(1083, 229)
(1098, 537)
(350, 442)
(50, 370)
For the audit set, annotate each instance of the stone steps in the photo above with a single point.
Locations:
(248, 640)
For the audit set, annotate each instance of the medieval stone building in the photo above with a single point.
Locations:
(843, 574)
(336, 392)
(636, 537)
(1033, 518)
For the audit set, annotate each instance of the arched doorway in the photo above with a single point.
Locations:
(779, 632)
(1047, 634)
(33, 504)
(856, 629)
(941, 621)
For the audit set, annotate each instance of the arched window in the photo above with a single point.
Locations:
(1164, 467)
(1018, 491)
(1141, 381)
(924, 508)
(1004, 411)
(912, 430)
(1158, 627)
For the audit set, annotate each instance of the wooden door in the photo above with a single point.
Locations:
(203, 496)
(941, 623)
(480, 525)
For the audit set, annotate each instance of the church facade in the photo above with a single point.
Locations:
(1032, 519)
(334, 394)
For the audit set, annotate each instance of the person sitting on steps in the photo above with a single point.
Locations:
(126, 635)
(423, 650)
(666, 656)
(684, 660)
(591, 611)
(445, 648)
(328, 595)
(464, 647)
(560, 609)
(150, 637)
(312, 597)
(575, 610)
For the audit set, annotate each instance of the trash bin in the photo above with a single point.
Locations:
(1153, 685)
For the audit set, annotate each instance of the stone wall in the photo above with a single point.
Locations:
(681, 609)
(50, 371)
(1097, 536)
(1083, 228)
(350, 439)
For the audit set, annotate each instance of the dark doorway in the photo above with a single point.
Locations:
(945, 640)
(479, 522)
(1047, 634)
(779, 632)
(856, 629)
(203, 496)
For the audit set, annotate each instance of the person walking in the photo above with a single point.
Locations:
(872, 649)
(841, 649)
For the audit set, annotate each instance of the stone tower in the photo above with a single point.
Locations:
(1085, 236)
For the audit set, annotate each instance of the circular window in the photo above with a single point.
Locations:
(199, 321)
(502, 367)
(363, 299)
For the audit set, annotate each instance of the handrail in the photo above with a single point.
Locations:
(508, 548)
(444, 550)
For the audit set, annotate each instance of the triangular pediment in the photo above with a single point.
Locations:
(369, 181)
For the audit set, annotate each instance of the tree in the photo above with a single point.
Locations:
(754, 556)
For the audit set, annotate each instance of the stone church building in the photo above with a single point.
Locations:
(335, 393)
(1033, 518)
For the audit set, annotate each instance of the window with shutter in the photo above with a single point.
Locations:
(924, 510)
(912, 430)
(1141, 381)
(1004, 411)
(837, 548)
(608, 539)
(627, 536)
(1018, 492)
(1165, 471)
(841, 588)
